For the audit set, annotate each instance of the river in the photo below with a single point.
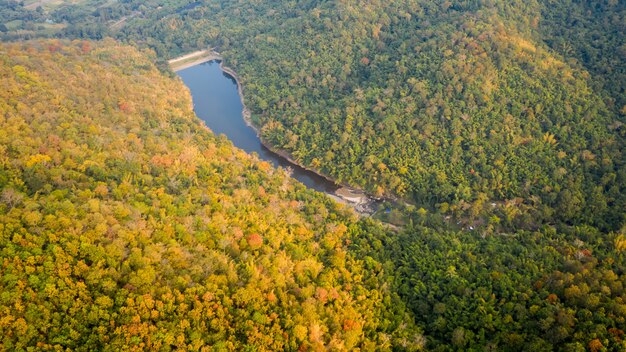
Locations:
(216, 101)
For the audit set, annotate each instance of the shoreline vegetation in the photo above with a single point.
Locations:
(358, 199)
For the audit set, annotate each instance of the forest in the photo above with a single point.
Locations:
(440, 105)
(497, 128)
(125, 224)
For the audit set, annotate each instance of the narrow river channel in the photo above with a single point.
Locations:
(217, 102)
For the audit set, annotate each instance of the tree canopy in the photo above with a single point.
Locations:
(497, 126)
(126, 225)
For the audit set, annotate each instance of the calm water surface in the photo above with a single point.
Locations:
(217, 103)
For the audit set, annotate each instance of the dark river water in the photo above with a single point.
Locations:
(216, 101)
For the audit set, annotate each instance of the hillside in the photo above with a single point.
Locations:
(443, 104)
(498, 126)
(451, 106)
(126, 225)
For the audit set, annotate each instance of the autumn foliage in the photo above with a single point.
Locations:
(126, 225)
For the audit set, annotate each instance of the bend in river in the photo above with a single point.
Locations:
(217, 102)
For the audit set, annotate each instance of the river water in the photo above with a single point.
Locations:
(216, 101)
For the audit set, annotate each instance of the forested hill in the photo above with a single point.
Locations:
(451, 105)
(444, 105)
(126, 225)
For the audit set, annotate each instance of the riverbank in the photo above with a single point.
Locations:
(357, 199)
(346, 193)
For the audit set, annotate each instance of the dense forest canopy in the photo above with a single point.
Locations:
(125, 224)
(499, 126)
(443, 104)
(546, 290)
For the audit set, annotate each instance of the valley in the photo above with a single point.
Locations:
(214, 175)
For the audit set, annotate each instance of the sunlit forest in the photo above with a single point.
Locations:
(494, 131)
(127, 225)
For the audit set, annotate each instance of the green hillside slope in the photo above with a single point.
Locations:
(555, 289)
(445, 104)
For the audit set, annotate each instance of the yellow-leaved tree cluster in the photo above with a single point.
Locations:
(125, 224)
